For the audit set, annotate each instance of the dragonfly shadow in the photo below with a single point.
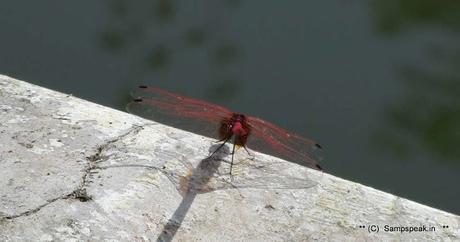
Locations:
(192, 185)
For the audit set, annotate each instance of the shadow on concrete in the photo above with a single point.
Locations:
(190, 186)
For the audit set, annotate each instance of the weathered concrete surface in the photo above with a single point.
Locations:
(73, 170)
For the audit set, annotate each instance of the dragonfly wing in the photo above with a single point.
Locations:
(248, 173)
(178, 111)
(271, 139)
(268, 175)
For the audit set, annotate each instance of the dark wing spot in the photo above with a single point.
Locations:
(319, 167)
(138, 100)
(142, 86)
(318, 146)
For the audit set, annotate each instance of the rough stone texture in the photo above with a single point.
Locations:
(77, 171)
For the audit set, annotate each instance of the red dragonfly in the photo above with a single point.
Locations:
(218, 122)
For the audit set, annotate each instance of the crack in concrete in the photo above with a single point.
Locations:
(80, 192)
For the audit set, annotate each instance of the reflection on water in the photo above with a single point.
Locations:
(429, 113)
(159, 27)
(393, 16)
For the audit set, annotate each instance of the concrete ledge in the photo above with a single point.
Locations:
(74, 170)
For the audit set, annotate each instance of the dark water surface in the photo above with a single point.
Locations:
(377, 83)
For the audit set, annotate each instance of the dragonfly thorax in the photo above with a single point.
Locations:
(237, 129)
(237, 125)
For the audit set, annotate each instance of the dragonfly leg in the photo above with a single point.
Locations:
(249, 153)
(218, 148)
(231, 164)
